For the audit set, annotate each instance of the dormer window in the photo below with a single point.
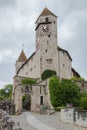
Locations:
(47, 19)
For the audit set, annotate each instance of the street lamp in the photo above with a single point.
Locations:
(6, 91)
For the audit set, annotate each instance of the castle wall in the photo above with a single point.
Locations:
(32, 67)
(64, 65)
(82, 85)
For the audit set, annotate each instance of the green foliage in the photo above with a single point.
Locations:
(23, 98)
(77, 79)
(28, 81)
(63, 92)
(83, 100)
(69, 92)
(3, 94)
(59, 108)
(47, 74)
(54, 90)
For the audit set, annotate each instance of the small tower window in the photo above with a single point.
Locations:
(41, 100)
(47, 42)
(48, 35)
(63, 65)
(46, 50)
(47, 19)
(54, 22)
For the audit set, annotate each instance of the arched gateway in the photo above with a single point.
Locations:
(32, 100)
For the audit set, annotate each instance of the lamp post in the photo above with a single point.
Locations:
(6, 91)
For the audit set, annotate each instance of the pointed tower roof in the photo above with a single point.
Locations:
(22, 57)
(46, 12)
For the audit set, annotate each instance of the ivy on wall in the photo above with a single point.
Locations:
(63, 92)
(47, 74)
(28, 81)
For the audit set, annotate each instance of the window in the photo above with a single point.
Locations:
(54, 22)
(47, 42)
(63, 65)
(46, 50)
(49, 61)
(41, 100)
(47, 19)
(48, 35)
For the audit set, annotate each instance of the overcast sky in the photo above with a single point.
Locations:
(17, 27)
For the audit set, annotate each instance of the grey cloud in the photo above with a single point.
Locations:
(17, 26)
(7, 3)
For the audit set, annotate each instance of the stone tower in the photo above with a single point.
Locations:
(46, 40)
(21, 59)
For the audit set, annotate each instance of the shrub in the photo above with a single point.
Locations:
(77, 79)
(59, 108)
(63, 92)
(47, 74)
(69, 92)
(28, 81)
(53, 89)
(83, 101)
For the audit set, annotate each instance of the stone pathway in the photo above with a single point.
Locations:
(35, 121)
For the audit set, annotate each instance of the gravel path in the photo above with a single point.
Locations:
(35, 121)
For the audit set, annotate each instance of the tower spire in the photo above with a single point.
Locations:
(22, 57)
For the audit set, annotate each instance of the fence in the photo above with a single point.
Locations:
(72, 115)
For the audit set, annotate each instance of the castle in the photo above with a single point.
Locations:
(48, 55)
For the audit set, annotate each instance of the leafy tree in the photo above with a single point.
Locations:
(47, 74)
(54, 90)
(69, 92)
(3, 93)
(63, 92)
(83, 100)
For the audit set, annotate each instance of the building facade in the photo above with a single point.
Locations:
(48, 55)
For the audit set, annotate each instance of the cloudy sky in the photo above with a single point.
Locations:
(17, 27)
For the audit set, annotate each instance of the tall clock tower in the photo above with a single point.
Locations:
(46, 40)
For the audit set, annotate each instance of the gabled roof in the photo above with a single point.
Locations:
(46, 12)
(59, 48)
(22, 57)
(75, 73)
(25, 62)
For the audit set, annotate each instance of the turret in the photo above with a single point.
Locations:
(21, 59)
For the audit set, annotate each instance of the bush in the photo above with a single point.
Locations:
(47, 74)
(53, 89)
(28, 81)
(69, 92)
(59, 108)
(63, 92)
(83, 101)
(77, 79)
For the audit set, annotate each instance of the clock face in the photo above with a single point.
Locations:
(45, 30)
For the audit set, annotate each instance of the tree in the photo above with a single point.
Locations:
(54, 90)
(63, 92)
(3, 93)
(83, 100)
(69, 92)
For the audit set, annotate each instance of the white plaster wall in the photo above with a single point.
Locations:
(67, 115)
